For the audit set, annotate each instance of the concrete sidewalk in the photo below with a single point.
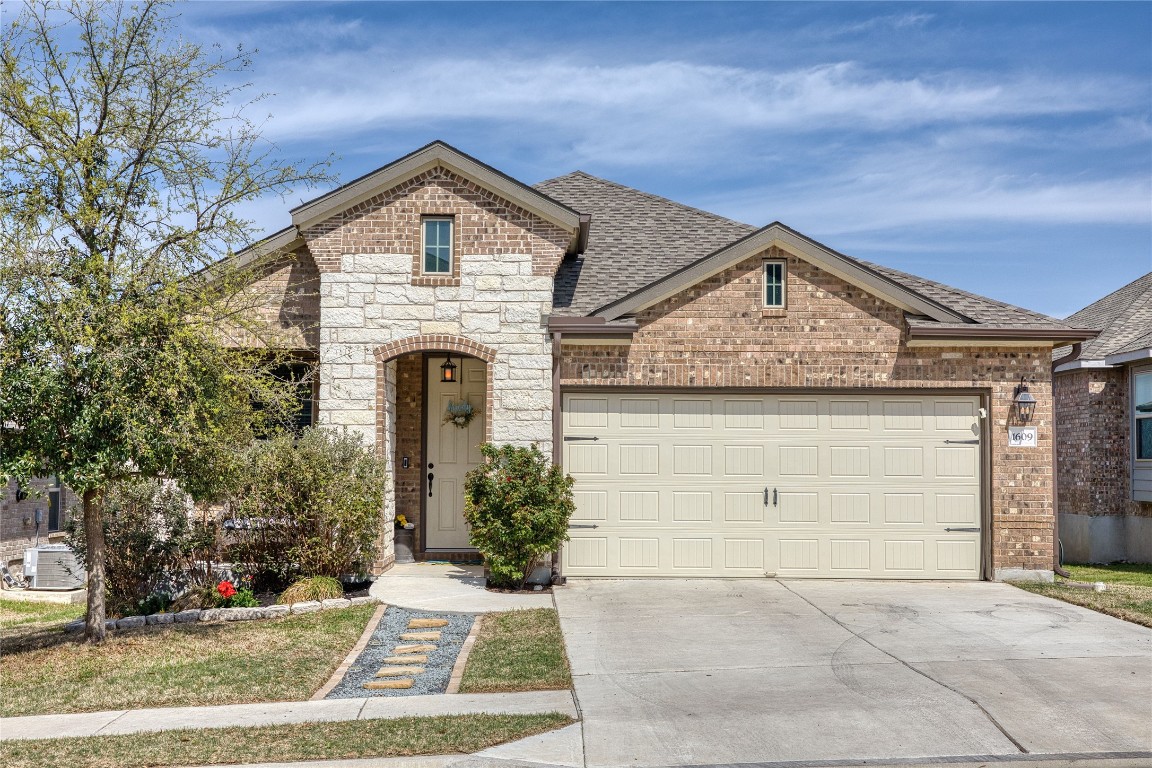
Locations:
(277, 713)
(448, 587)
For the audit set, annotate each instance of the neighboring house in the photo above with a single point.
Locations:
(1103, 391)
(732, 400)
(18, 528)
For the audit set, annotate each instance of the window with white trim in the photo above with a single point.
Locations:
(775, 279)
(1142, 413)
(437, 245)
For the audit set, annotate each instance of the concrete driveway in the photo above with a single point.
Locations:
(671, 672)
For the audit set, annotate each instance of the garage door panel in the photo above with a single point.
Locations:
(716, 485)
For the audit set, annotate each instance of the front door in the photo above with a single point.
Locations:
(452, 450)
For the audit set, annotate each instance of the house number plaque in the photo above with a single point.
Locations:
(1022, 437)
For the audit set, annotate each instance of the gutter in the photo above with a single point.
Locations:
(975, 332)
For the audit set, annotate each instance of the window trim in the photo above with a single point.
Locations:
(1135, 419)
(424, 221)
(783, 264)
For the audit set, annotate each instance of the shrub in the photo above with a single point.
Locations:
(309, 505)
(227, 596)
(517, 504)
(314, 588)
(155, 549)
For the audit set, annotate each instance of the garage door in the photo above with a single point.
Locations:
(691, 485)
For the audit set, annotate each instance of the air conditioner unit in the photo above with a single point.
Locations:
(54, 566)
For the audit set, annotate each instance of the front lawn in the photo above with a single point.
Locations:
(456, 734)
(45, 671)
(1128, 596)
(518, 651)
(29, 615)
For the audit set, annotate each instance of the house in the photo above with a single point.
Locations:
(30, 516)
(1103, 395)
(731, 400)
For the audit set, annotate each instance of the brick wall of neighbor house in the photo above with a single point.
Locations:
(834, 334)
(15, 536)
(1093, 451)
(369, 297)
(286, 297)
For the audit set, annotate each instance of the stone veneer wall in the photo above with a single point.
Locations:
(834, 334)
(370, 297)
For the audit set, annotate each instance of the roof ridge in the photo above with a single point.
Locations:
(968, 294)
(650, 196)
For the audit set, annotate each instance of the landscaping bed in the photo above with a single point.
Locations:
(456, 734)
(1127, 594)
(44, 670)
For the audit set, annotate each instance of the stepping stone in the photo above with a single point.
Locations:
(412, 658)
(414, 649)
(427, 623)
(420, 636)
(380, 685)
(399, 671)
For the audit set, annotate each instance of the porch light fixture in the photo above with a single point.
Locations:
(448, 370)
(1024, 402)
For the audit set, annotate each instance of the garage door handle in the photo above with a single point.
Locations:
(962, 530)
(573, 438)
(962, 442)
(579, 525)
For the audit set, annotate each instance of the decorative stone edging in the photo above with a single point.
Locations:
(227, 614)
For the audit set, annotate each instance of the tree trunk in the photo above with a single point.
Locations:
(94, 539)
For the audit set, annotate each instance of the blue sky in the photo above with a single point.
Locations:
(1004, 148)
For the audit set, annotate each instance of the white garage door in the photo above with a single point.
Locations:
(845, 486)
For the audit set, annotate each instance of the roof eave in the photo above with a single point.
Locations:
(438, 154)
(1134, 356)
(976, 333)
(777, 234)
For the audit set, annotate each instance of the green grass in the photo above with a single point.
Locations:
(457, 734)
(44, 670)
(1128, 596)
(518, 651)
(15, 614)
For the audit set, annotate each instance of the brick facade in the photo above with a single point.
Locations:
(285, 297)
(409, 439)
(835, 335)
(15, 534)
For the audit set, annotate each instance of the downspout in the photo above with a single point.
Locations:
(557, 438)
(1057, 550)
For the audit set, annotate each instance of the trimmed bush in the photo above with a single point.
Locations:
(518, 504)
(315, 588)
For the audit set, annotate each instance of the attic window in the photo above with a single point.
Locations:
(775, 279)
(437, 244)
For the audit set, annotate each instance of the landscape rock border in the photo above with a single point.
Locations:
(227, 614)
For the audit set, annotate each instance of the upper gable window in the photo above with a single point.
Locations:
(437, 245)
(775, 280)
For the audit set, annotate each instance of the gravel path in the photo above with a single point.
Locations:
(434, 679)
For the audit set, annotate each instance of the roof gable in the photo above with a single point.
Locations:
(439, 154)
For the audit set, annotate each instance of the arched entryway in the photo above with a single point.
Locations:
(428, 453)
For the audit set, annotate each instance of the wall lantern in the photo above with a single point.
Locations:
(448, 370)
(1024, 402)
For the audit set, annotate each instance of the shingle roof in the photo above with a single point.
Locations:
(637, 238)
(1124, 318)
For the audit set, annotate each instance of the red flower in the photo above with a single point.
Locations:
(226, 589)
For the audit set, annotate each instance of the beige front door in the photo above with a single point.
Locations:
(451, 450)
(690, 484)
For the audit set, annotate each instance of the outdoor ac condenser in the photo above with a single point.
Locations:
(56, 567)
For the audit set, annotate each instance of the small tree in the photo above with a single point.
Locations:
(518, 504)
(121, 163)
(310, 505)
